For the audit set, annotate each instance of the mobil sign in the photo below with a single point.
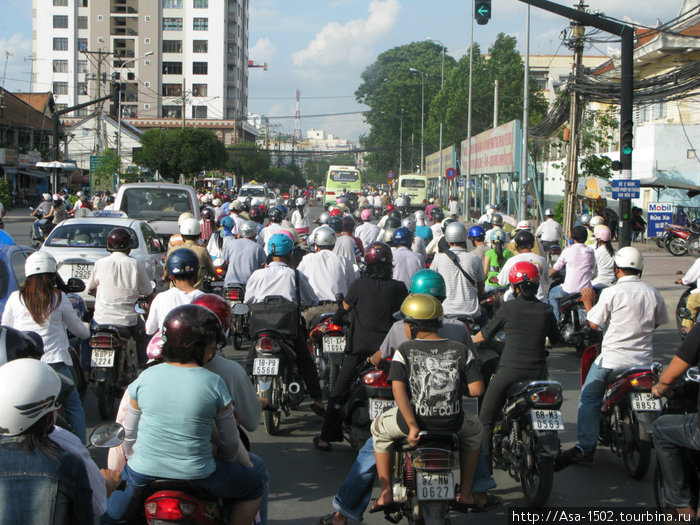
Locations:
(659, 214)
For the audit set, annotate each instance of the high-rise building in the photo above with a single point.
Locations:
(199, 58)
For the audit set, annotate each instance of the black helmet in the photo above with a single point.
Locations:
(437, 214)
(395, 213)
(187, 330)
(336, 223)
(119, 240)
(182, 263)
(392, 223)
(18, 345)
(524, 239)
(275, 215)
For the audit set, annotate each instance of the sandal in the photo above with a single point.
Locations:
(318, 410)
(327, 519)
(323, 448)
(490, 502)
(386, 508)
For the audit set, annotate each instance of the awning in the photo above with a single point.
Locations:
(35, 173)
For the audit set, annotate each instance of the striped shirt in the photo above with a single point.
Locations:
(462, 296)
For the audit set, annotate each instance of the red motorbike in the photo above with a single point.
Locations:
(328, 348)
(678, 240)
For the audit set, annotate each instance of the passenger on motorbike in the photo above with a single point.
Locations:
(242, 255)
(630, 310)
(604, 258)
(172, 410)
(524, 241)
(236, 210)
(190, 230)
(387, 212)
(496, 224)
(58, 211)
(39, 482)
(418, 244)
(673, 432)
(345, 244)
(177, 239)
(44, 208)
(301, 218)
(495, 259)
(437, 215)
(39, 307)
(367, 231)
(549, 232)
(275, 216)
(371, 301)
(692, 276)
(422, 229)
(428, 376)
(527, 323)
(406, 261)
(117, 281)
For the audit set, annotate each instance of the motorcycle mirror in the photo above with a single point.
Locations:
(75, 285)
(240, 309)
(656, 368)
(693, 374)
(684, 313)
(107, 435)
(31, 208)
(139, 310)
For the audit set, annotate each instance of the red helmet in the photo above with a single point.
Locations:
(255, 213)
(378, 252)
(524, 272)
(389, 208)
(119, 240)
(335, 212)
(187, 330)
(218, 305)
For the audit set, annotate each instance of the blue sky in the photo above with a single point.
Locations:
(322, 46)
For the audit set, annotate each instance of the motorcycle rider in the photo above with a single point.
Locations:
(117, 281)
(278, 279)
(345, 245)
(604, 257)
(692, 276)
(422, 229)
(162, 398)
(497, 224)
(301, 219)
(44, 208)
(406, 261)
(236, 210)
(177, 239)
(58, 211)
(477, 236)
(190, 230)
(549, 232)
(367, 231)
(242, 256)
(418, 244)
(495, 258)
(371, 301)
(524, 242)
(673, 432)
(428, 376)
(437, 215)
(630, 310)
(275, 216)
(387, 212)
(579, 260)
(330, 274)
(454, 207)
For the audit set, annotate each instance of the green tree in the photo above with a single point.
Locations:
(248, 161)
(597, 131)
(5, 195)
(107, 167)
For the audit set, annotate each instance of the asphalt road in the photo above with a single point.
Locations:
(304, 480)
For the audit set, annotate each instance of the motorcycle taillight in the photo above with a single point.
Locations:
(105, 341)
(488, 300)
(376, 378)
(434, 459)
(169, 508)
(219, 271)
(233, 295)
(643, 381)
(266, 344)
(546, 397)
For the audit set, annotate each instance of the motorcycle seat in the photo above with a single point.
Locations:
(180, 485)
(430, 438)
(119, 331)
(517, 388)
(569, 298)
(466, 319)
(630, 371)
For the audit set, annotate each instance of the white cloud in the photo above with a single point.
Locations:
(352, 42)
(263, 50)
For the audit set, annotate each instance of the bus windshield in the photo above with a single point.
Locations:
(412, 183)
(343, 176)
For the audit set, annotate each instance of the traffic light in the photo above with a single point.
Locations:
(626, 138)
(113, 108)
(482, 12)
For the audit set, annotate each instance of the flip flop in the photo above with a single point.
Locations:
(319, 411)
(386, 508)
(323, 448)
(490, 503)
(327, 519)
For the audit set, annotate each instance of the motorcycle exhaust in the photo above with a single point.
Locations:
(294, 388)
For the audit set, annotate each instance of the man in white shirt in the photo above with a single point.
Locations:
(524, 242)
(242, 256)
(367, 231)
(549, 232)
(454, 207)
(692, 276)
(630, 311)
(275, 215)
(406, 261)
(117, 281)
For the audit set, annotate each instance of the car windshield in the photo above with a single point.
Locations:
(155, 203)
(87, 235)
(252, 191)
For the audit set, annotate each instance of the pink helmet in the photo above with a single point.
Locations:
(602, 233)
(366, 214)
(285, 231)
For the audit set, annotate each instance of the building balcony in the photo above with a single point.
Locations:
(123, 31)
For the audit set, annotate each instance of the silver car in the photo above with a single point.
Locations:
(77, 243)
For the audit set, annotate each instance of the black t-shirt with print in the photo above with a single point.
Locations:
(436, 373)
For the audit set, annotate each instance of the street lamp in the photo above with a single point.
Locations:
(442, 85)
(119, 104)
(422, 111)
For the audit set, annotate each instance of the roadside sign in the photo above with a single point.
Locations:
(285, 195)
(94, 162)
(450, 173)
(625, 189)
(390, 175)
(659, 214)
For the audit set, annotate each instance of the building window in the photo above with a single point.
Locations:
(82, 44)
(172, 24)
(199, 90)
(659, 110)
(146, 106)
(172, 68)
(172, 90)
(60, 3)
(82, 66)
(200, 46)
(200, 4)
(147, 18)
(172, 4)
(60, 22)
(82, 3)
(82, 112)
(199, 112)
(82, 22)
(100, 18)
(200, 68)
(82, 88)
(690, 154)
(60, 66)
(60, 44)
(171, 112)
(61, 107)
(201, 24)
(60, 88)
(172, 46)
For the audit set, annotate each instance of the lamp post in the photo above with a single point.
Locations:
(119, 105)
(442, 85)
(422, 112)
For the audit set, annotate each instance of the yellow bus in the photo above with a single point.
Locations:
(341, 179)
(415, 186)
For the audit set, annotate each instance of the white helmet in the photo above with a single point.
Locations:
(549, 212)
(257, 201)
(419, 215)
(409, 223)
(629, 258)
(208, 198)
(585, 219)
(596, 220)
(47, 196)
(248, 229)
(79, 194)
(29, 389)
(183, 216)
(56, 197)
(216, 202)
(301, 201)
(523, 225)
(324, 237)
(190, 227)
(400, 202)
(456, 232)
(39, 262)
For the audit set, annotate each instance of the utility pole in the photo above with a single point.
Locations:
(468, 175)
(526, 116)
(495, 103)
(100, 135)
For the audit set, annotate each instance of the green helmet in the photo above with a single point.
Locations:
(428, 282)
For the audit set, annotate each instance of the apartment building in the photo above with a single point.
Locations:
(198, 62)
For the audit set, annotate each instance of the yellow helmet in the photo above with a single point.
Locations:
(420, 307)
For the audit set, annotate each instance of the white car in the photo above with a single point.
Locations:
(77, 243)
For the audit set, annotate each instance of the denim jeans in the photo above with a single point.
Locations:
(671, 434)
(75, 415)
(589, 402)
(355, 492)
(37, 227)
(555, 294)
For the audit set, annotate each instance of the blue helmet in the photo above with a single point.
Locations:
(283, 209)
(336, 223)
(402, 237)
(227, 223)
(280, 245)
(182, 263)
(476, 232)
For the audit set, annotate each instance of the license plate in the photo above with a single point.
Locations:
(378, 406)
(435, 486)
(263, 366)
(102, 358)
(547, 420)
(217, 284)
(645, 402)
(81, 271)
(332, 345)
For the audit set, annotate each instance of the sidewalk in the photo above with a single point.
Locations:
(18, 215)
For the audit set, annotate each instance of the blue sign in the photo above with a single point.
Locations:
(625, 189)
(659, 214)
(390, 175)
(450, 173)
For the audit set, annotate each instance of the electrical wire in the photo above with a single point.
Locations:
(680, 116)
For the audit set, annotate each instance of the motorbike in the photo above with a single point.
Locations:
(681, 400)
(45, 230)
(234, 294)
(553, 251)
(682, 311)
(327, 341)
(678, 238)
(526, 439)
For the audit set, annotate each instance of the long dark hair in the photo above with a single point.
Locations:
(36, 437)
(527, 291)
(498, 248)
(381, 271)
(608, 247)
(40, 296)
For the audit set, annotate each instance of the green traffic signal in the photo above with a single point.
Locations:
(626, 138)
(482, 12)
(627, 149)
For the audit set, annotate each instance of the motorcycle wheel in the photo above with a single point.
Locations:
(105, 391)
(638, 455)
(333, 369)
(537, 482)
(661, 242)
(274, 396)
(677, 246)
(34, 241)
(694, 247)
